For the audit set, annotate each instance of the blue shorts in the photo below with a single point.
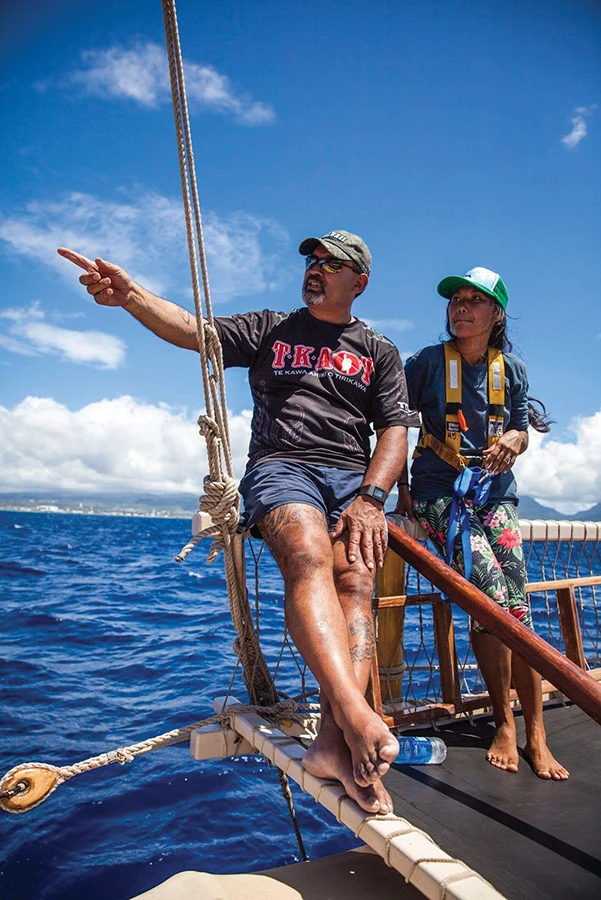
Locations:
(277, 482)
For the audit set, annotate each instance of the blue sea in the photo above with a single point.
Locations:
(107, 641)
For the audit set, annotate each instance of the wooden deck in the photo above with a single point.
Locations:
(532, 839)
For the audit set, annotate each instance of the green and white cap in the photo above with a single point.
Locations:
(485, 280)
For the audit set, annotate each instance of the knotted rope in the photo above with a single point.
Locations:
(220, 497)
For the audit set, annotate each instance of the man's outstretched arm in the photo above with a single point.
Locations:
(110, 285)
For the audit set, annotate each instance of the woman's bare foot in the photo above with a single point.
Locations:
(503, 752)
(543, 762)
(329, 757)
(373, 748)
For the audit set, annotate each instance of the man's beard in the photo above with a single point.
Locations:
(313, 292)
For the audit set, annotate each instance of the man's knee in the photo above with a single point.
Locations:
(297, 536)
(355, 583)
(305, 559)
(353, 580)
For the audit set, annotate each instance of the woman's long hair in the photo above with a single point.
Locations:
(537, 414)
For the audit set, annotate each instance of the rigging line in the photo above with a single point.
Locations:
(39, 780)
(213, 425)
(218, 447)
(191, 202)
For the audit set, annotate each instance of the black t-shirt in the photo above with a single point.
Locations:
(317, 387)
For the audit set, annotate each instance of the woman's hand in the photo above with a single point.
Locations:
(504, 452)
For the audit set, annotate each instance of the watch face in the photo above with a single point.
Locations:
(371, 490)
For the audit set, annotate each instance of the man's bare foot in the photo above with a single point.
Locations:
(503, 752)
(373, 748)
(329, 757)
(543, 762)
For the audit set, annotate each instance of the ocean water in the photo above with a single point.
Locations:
(105, 642)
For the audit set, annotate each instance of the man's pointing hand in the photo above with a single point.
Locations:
(107, 283)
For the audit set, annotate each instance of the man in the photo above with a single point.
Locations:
(319, 379)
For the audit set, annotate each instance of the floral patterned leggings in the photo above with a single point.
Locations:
(498, 557)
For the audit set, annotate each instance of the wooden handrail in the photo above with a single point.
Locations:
(585, 581)
(564, 674)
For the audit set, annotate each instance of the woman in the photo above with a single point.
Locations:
(472, 396)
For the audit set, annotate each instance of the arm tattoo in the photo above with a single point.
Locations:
(184, 315)
(362, 644)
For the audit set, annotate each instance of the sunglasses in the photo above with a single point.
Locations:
(328, 264)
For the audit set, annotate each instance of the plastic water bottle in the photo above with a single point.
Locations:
(420, 751)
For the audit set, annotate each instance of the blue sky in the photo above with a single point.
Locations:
(448, 134)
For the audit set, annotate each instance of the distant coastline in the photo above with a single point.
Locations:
(183, 506)
(170, 506)
(117, 513)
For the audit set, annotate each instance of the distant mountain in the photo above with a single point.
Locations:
(590, 515)
(530, 509)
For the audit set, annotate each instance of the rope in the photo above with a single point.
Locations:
(21, 779)
(220, 496)
(287, 793)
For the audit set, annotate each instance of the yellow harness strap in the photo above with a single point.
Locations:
(496, 394)
(452, 369)
(450, 451)
(449, 456)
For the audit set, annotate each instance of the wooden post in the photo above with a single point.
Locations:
(444, 636)
(390, 582)
(570, 626)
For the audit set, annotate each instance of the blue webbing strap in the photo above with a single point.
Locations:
(476, 481)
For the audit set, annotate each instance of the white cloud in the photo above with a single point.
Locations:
(141, 74)
(147, 237)
(579, 126)
(26, 332)
(111, 445)
(126, 445)
(564, 475)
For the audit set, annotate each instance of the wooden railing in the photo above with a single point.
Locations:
(562, 673)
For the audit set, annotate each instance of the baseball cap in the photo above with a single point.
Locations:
(342, 245)
(484, 279)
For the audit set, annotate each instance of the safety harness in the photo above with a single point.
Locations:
(472, 479)
(450, 451)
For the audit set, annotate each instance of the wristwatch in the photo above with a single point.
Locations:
(372, 490)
